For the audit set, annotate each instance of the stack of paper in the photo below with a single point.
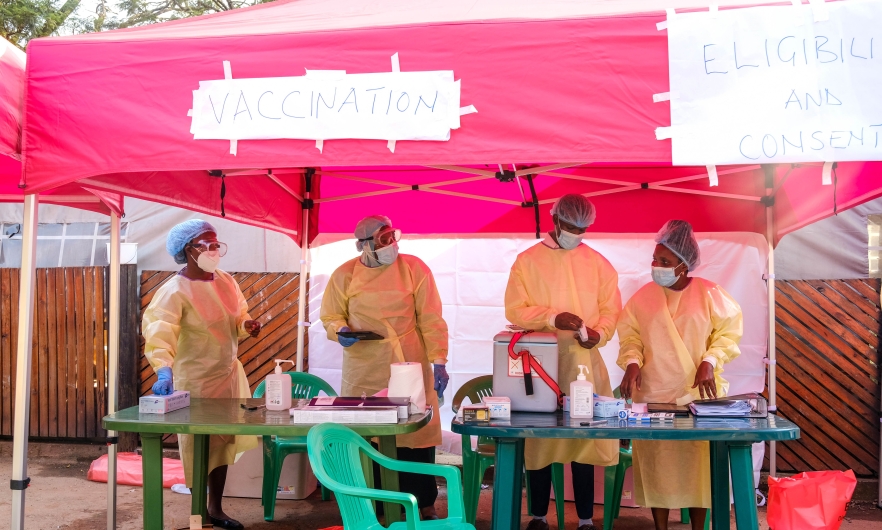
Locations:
(734, 407)
(304, 413)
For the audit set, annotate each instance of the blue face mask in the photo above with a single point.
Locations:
(388, 255)
(568, 240)
(665, 276)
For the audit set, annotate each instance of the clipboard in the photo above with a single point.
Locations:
(360, 335)
(681, 411)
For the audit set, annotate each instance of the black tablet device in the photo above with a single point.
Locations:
(360, 335)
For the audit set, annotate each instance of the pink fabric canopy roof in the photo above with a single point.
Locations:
(561, 85)
(12, 79)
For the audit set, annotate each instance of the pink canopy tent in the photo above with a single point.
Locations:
(563, 92)
(12, 76)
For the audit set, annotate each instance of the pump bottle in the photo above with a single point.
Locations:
(278, 388)
(582, 395)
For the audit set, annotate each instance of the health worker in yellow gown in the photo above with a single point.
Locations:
(675, 335)
(394, 296)
(192, 330)
(556, 286)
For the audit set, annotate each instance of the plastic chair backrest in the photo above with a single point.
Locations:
(334, 454)
(303, 386)
(475, 389)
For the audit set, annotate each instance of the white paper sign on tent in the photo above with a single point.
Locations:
(329, 105)
(756, 87)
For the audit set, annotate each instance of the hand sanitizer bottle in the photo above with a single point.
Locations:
(278, 388)
(582, 395)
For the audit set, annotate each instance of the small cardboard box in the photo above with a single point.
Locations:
(607, 407)
(500, 407)
(155, 404)
(475, 414)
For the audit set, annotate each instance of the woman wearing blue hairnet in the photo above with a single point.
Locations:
(675, 335)
(192, 330)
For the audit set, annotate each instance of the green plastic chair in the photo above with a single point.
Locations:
(614, 482)
(276, 448)
(335, 455)
(475, 463)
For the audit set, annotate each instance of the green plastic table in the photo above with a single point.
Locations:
(205, 417)
(730, 441)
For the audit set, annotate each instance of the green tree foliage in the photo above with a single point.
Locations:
(23, 20)
(140, 12)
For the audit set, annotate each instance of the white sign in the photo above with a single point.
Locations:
(325, 105)
(772, 84)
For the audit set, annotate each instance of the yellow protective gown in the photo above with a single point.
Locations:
(669, 334)
(400, 302)
(547, 280)
(194, 328)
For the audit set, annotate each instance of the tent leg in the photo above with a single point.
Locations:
(23, 361)
(773, 401)
(304, 270)
(113, 364)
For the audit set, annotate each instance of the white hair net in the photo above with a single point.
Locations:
(575, 209)
(677, 236)
(367, 227)
(181, 234)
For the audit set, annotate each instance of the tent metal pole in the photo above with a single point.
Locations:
(303, 319)
(24, 346)
(770, 238)
(113, 334)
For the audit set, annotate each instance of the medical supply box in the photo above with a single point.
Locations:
(479, 413)
(608, 407)
(508, 373)
(155, 404)
(499, 407)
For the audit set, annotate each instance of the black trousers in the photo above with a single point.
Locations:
(423, 487)
(583, 490)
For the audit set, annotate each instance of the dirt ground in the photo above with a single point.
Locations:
(60, 497)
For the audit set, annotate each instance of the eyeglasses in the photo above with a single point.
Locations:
(204, 246)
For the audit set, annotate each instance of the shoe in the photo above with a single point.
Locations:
(229, 524)
(537, 524)
(587, 527)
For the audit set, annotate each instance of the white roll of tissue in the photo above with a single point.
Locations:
(406, 380)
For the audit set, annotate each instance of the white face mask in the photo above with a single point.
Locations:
(567, 240)
(387, 255)
(665, 276)
(208, 260)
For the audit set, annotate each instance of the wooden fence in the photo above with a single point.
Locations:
(828, 374)
(69, 372)
(272, 300)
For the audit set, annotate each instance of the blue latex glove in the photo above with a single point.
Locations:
(346, 342)
(165, 385)
(441, 378)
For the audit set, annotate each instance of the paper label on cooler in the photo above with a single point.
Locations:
(516, 366)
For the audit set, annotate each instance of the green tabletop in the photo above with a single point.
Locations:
(226, 416)
(560, 425)
(205, 417)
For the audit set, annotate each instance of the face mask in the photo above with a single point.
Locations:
(208, 260)
(387, 255)
(665, 276)
(567, 240)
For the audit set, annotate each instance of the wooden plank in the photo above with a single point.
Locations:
(825, 375)
(34, 423)
(98, 344)
(246, 280)
(867, 287)
(52, 357)
(829, 324)
(6, 353)
(814, 334)
(14, 281)
(152, 280)
(281, 315)
(57, 333)
(41, 354)
(70, 343)
(869, 307)
(832, 303)
(147, 296)
(859, 436)
(87, 349)
(129, 349)
(80, 349)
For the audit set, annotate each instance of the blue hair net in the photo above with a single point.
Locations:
(181, 234)
(677, 236)
(367, 227)
(575, 209)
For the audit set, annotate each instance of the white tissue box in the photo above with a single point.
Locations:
(500, 407)
(155, 404)
(607, 407)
